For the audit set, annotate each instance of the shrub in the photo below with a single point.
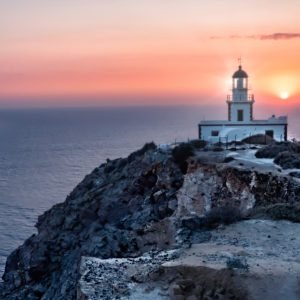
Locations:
(237, 263)
(223, 215)
(198, 144)
(142, 151)
(181, 153)
(272, 150)
(217, 149)
(284, 211)
(228, 159)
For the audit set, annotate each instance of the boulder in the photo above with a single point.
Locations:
(272, 150)
(288, 160)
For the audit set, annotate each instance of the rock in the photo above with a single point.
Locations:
(272, 150)
(283, 211)
(192, 297)
(203, 283)
(295, 174)
(116, 278)
(228, 159)
(88, 223)
(288, 160)
(186, 284)
(135, 207)
(193, 222)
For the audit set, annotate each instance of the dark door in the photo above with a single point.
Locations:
(240, 115)
(270, 133)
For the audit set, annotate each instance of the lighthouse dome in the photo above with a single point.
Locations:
(240, 73)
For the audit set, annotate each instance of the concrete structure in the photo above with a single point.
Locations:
(240, 123)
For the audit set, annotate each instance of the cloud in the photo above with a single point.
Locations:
(279, 36)
(274, 36)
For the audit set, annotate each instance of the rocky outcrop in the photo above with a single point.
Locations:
(288, 160)
(148, 278)
(285, 154)
(272, 150)
(151, 201)
(209, 185)
(121, 209)
(117, 278)
(254, 259)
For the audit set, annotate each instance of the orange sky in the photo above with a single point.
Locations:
(97, 50)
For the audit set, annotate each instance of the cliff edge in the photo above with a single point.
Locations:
(135, 220)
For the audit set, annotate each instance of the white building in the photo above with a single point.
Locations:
(240, 123)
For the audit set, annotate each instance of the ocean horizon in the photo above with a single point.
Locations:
(45, 153)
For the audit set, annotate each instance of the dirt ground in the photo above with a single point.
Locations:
(249, 260)
(269, 252)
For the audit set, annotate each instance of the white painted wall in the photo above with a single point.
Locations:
(246, 107)
(206, 133)
(240, 132)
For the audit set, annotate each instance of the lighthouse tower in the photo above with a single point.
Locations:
(240, 104)
(241, 125)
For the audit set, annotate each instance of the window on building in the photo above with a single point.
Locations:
(240, 115)
(215, 133)
(270, 133)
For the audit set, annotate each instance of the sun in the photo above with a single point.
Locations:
(284, 95)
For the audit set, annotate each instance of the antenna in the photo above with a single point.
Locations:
(240, 61)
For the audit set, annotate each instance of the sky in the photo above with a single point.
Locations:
(112, 52)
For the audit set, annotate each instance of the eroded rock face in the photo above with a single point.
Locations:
(218, 185)
(121, 209)
(148, 278)
(121, 278)
(131, 206)
(214, 186)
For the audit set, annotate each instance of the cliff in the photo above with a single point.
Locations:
(141, 213)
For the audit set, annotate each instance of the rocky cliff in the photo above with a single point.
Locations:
(152, 201)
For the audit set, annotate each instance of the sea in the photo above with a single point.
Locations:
(45, 153)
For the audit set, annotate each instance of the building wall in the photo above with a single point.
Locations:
(206, 132)
(246, 107)
(240, 132)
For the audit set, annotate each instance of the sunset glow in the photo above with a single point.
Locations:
(101, 49)
(284, 95)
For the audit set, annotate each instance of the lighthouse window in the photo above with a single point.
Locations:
(235, 83)
(240, 115)
(215, 133)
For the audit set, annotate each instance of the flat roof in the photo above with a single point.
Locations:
(271, 121)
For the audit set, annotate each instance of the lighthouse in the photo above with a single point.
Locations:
(240, 103)
(241, 123)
